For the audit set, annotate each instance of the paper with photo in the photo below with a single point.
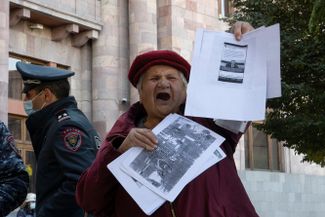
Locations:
(228, 77)
(271, 36)
(146, 199)
(233, 58)
(183, 147)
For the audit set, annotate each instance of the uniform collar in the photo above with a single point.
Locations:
(41, 117)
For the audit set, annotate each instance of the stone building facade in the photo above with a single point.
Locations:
(98, 39)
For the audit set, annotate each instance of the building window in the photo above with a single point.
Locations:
(15, 81)
(16, 124)
(16, 85)
(262, 152)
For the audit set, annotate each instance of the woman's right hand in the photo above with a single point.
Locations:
(139, 137)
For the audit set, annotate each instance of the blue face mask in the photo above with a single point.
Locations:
(28, 105)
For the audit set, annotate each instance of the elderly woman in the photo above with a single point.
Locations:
(161, 77)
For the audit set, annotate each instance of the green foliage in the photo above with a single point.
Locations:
(298, 117)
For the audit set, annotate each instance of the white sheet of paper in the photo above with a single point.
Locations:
(171, 166)
(221, 90)
(272, 38)
(146, 199)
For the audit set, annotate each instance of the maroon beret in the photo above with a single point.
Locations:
(159, 57)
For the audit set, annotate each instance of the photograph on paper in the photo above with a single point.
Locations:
(181, 143)
(146, 199)
(183, 146)
(232, 65)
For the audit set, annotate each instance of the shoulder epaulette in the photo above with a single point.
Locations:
(62, 115)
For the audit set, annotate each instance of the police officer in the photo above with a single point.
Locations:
(13, 176)
(64, 141)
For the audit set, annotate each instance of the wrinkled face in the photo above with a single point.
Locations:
(162, 91)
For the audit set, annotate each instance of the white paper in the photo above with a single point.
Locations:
(271, 36)
(228, 78)
(146, 199)
(184, 146)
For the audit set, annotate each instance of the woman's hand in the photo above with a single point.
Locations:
(239, 28)
(139, 137)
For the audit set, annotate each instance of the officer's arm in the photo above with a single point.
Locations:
(74, 150)
(14, 179)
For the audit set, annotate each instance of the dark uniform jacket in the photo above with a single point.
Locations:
(65, 144)
(13, 176)
(217, 192)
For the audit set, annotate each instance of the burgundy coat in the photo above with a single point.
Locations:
(217, 192)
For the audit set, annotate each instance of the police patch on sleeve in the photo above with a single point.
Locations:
(72, 139)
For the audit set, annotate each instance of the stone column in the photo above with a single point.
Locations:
(123, 31)
(110, 62)
(85, 80)
(164, 17)
(143, 30)
(4, 49)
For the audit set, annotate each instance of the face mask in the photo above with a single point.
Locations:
(32, 205)
(28, 105)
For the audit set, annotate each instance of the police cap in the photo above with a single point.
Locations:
(34, 75)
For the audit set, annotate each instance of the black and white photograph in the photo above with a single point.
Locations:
(179, 145)
(232, 65)
(186, 149)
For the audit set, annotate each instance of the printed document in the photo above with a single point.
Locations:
(185, 150)
(231, 80)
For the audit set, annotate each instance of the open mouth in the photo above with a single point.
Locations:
(163, 96)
